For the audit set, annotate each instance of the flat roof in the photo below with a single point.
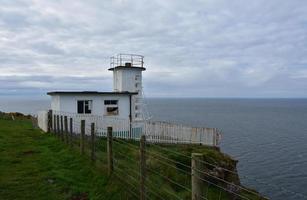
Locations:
(125, 67)
(91, 93)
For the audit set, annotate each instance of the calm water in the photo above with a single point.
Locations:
(267, 136)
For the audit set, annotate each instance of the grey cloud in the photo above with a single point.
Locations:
(219, 47)
(15, 84)
(47, 48)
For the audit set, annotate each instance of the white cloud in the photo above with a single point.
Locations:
(204, 48)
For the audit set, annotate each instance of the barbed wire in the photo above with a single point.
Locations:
(138, 174)
(154, 193)
(124, 142)
(177, 197)
(182, 170)
(134, 179)
(170, 180)
(206, 173)
(131, 191)
(76, 123)
(176, 162)
(126, 157)
(225, 189)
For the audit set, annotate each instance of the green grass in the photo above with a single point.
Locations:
(36, 165)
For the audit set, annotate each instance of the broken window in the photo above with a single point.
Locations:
(112, 110)
(84, 107)
(111, 107)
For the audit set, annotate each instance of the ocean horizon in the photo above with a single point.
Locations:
(266, 135)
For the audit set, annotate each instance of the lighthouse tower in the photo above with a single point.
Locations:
(127, 77)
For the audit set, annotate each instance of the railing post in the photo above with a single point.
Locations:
(66, 129)
(142, 167)
(93, 142)
(70, 132)
(110, 150)
(62, 129)
(82, 136)
(49, 123)
(54, 124)
(196, 168)
(58, 125)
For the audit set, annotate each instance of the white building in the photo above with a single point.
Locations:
(124, 102)
(122, 109)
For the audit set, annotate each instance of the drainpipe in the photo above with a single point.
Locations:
(130, 116)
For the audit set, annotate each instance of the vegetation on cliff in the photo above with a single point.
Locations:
(35, 165)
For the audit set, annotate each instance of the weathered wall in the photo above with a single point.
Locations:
(42, 120)
(68, 103)
(124, 80)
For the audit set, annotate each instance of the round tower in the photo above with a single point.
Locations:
(127, 77)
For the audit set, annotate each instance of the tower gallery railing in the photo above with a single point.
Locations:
(132, 60)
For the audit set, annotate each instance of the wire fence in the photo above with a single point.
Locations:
(150, 170)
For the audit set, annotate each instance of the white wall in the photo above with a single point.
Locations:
(55, 102)
(68, 103)
(42, 120)
(124, 79)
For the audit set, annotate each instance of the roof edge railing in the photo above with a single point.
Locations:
(127, 60)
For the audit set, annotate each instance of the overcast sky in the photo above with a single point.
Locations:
(205, 48)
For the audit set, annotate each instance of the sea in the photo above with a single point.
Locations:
(267, 136)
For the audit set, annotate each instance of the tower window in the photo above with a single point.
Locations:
(137, 77)
(111, 107)
(84, 106)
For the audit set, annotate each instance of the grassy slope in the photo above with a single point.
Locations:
(35, 165)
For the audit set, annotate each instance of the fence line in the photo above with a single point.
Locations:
(122, 147)
(156, 132)
(164, 132)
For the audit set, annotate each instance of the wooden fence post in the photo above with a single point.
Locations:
(142, 167)
(49, 123)
(93, 142)
(54, 124)
(58, 125)
(66, 129)
(82, 136)
(196, 168)
(62, 129)
(109, 149)
(71, 132)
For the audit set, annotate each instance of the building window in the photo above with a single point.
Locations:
(111, 107)
(84, 107)
(110, 102)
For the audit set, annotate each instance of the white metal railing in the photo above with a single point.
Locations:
(156, 132)
(131, 59)
(163, 132)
